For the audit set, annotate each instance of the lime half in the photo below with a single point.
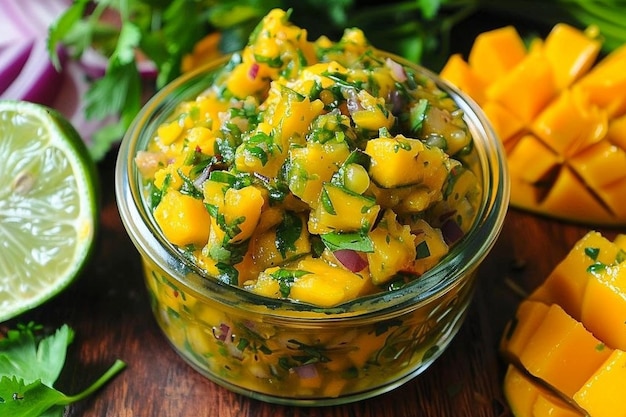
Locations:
(48, 205)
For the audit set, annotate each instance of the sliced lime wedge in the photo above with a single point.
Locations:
(48, 205)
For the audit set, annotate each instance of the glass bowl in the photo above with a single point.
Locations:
(288, 353)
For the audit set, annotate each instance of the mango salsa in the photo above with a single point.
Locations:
(556, 103)
(567, 338)
(313, 158)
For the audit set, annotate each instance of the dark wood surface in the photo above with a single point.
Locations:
(108, 308)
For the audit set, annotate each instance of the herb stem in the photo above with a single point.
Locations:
(117, 367)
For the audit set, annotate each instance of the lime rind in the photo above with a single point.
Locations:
(48, 206)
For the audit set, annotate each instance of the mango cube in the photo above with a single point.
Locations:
(562, 352)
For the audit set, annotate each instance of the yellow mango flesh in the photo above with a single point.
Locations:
(570, 52)
(562, 352)
(561, 94)
(492, 66)
(312, 166)
(342, 211)
(527, 398)
(183, 219)
(579, 361)
(529, 315)
(511, 90)
(566, 284)
(604, 305)
(603, 394)
(394, 249)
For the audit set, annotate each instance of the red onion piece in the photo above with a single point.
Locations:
(222, 332)
(12, 60)
(38, 81)
(397, 70)
(22, 19)
(307, 371)
(69, 101)
(351, 259)
(451, 231)
(253, 71)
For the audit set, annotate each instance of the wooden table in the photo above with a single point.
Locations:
(108, 308)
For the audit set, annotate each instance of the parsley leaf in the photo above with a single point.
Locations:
(29, 366)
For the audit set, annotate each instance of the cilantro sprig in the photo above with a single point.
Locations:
(29, 367)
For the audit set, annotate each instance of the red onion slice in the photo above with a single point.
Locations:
(12, 60)
(38, 81)
(351, 259)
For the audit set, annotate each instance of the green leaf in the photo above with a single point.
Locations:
(18, 399)
(59, 30)
(351, 241)
(287, 233)
(29, 368)
(21, 356)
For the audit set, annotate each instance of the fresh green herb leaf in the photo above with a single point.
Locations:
(288, 232)
(29, 366)
(592, 252)
(359, 242)
(422, 250)
(327, 203)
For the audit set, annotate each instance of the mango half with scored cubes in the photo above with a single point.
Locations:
(560, 110)
(566, 346)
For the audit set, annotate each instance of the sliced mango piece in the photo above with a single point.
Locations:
(458, 72)
(604, 302)
(567, 282)
(570, 52)
(606, 82)
(569, 123)
(613, 196)
(591, 164)
(490, 66)
(527, 397)
(570, 197)
(562, 352)
(548, 405)
(557, 91)
(531, 160)
(603, 394)
(519, 392)
(506, 124)
(513, 92)
(518, 332)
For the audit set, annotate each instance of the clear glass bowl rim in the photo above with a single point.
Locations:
(463, 259)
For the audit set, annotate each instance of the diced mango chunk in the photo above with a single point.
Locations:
(562, 352)
(567, 282)
(513, 92)
(490, 66)
(569, 123)
(458, 72)
(604, 302)
(505, 123)
(570, 197)
(606, 82)
(570, 52)
(529, 315)
(183, 219)
(603, 393)
(591, 164)
(531, 160)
